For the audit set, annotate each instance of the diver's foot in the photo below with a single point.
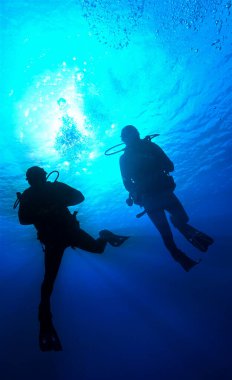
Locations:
(198, 239)
(188, 265)
(48, 338)
(186, 262)
(113, 239)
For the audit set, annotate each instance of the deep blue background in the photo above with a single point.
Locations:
(131, 313)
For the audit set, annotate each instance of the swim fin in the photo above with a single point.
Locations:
(186, 262)
(48, 338)
(113, 239)
(195, 237)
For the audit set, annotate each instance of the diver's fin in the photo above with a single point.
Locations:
(113, 239)
(48, 339)
(195, 237)
(186, 262)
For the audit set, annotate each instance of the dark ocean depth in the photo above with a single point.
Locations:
(166, 68)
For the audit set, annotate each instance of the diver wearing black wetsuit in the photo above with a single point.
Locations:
(145, 172)
(45, 205)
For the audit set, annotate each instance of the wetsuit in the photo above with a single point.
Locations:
(46, 207)
(145, 172)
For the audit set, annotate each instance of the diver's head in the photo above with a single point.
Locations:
(129, 135)
(36, 176)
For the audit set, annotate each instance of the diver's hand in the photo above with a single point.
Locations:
(129, 202)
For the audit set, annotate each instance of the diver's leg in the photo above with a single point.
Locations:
(198, 239)
(180, 220)
(159, 219)
(178, 214)
(113, 239)
(86, 242)
(52, 260)
(48, 337)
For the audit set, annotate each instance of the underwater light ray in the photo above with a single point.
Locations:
(167, 71)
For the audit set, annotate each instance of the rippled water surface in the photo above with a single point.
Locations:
(165, 68)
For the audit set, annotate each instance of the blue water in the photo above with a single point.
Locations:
(131, 313)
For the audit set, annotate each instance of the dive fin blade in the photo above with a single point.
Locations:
(113, 239)
(49, 340)
(198, 239)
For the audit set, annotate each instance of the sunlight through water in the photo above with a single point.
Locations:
(73, 74)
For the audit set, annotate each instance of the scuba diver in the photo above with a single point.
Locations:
(45, 205)
(145, 172)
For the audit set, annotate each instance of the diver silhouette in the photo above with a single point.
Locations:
(45, 205)
(145, 172)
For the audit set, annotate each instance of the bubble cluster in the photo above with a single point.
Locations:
(113, 22)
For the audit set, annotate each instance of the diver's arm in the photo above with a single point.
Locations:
(68, 195)
(24, 219)
(76, 197)
(25, 214)
(31, 212)
(164, 162)
(128, 184)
